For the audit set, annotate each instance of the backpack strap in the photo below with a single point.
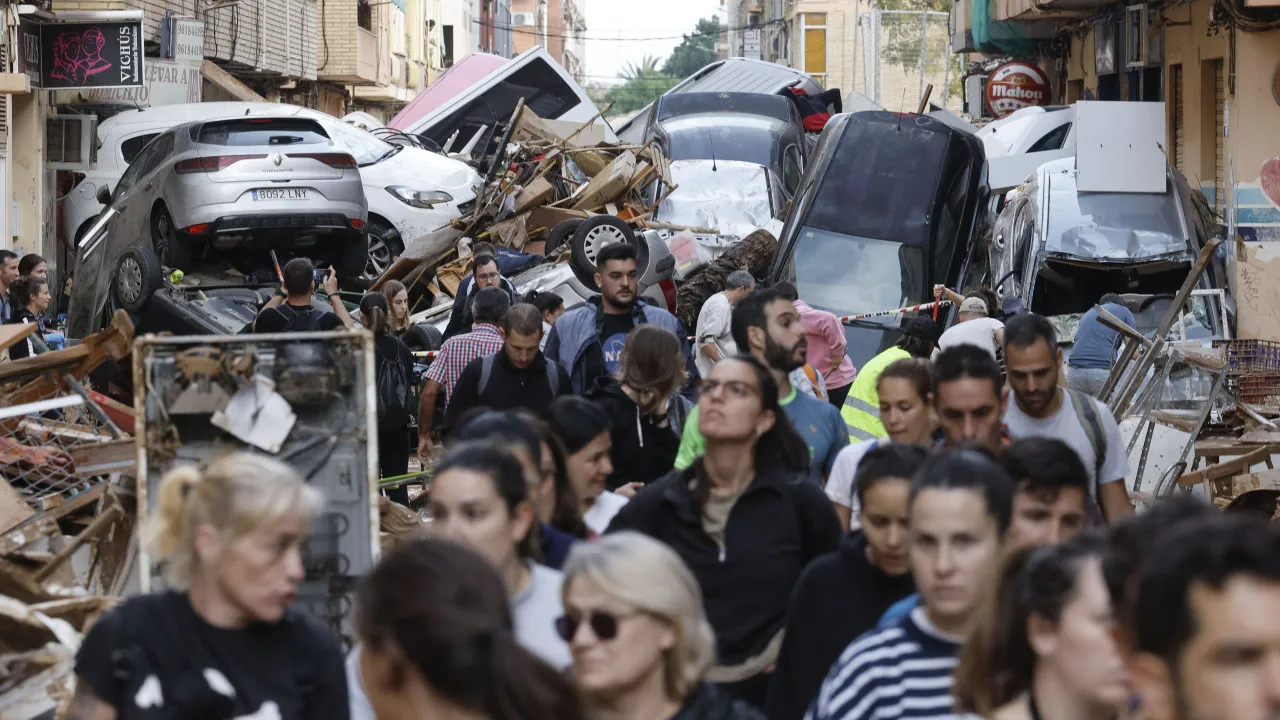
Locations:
(553, 377)
(1087, 413)
(486, 370)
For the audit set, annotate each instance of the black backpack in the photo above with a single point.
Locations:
(394, 401)
(307, 321)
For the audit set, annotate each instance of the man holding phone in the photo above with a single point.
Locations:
(290, 310)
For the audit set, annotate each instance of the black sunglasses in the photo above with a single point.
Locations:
(603, 625)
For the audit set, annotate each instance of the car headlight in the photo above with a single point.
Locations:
(419, 198)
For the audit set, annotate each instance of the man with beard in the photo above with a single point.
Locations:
(767, 324)
(587, 340)
(1207, 643)
(1043, 408)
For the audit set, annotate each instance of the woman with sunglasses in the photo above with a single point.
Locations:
(640, 640)
(744, 517)
(1044, 648)
(437, 641)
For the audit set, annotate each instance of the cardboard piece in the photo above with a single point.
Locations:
(511, 233)
(538, 192)
(1257, 291)
(13, 509)
(608, 185)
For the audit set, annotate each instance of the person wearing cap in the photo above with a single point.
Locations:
(974, 326)
(861, 410)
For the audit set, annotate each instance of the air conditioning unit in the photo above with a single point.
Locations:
(522, 19)
(71, 142)
(1135, 36)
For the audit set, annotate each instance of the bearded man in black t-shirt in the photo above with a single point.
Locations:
(290, 310)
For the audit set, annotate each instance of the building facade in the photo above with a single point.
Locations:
(557, 25)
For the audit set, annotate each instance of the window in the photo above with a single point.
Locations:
(145, 162)
(130, 148)
(813, 46)
(364, 15)
(792, 169)
(872, 275)
(1052, 140)
(262, 131)
(447, 38)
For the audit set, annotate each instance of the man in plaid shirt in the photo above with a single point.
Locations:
(488, 307)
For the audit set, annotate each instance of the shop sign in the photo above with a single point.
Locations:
(167, 83)
(75, 55)
(1014, 86)
(182, 40)
(751, 44)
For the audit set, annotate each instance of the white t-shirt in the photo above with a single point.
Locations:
(713, 329)
(978, 331)
(1065, 426)
(840, 486)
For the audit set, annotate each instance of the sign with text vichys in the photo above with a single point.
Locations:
(74, 55)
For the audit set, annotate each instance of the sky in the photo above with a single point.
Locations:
(638, 22)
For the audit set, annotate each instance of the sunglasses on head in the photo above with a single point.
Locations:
(604, 625)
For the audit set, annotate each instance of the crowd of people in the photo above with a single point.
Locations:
(941, 535)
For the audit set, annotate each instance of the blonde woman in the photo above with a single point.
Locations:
(641, 643)
(222, 641)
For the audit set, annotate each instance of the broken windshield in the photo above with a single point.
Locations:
(1112, 226)
(869, 276)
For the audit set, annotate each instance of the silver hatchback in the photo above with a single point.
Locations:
(239, 187)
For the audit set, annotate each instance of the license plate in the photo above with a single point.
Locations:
(280, 194)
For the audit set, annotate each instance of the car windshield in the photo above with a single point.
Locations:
(1112, 226)
(871, 276)
(748, 140)
(362, 145)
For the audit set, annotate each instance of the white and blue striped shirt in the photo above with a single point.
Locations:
(903, 671)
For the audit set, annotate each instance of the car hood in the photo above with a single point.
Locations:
(729, 196)
(417, 167)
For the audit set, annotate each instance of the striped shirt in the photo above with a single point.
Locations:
(901, 671)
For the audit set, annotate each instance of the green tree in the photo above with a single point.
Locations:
(642, 83)
(695, 52)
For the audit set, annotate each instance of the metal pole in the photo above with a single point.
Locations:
(924, 31)
(946, 74)
(857, 28)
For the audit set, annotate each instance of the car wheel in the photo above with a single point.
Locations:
(352, 256)
(137, 277)
(423, 338)
(559, 234)
(172, 249)
(596, 233)
(385, 245)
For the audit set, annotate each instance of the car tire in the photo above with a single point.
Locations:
(559, 234)
(352, 256)
(595, 233)
(172, 248)
(137, 276)
(423, 338)
(385, 246)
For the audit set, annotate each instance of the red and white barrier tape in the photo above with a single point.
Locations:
(425, 353)
(924, 306)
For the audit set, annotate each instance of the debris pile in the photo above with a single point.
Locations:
(67, 512)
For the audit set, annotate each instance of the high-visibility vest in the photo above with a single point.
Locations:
(861, 411)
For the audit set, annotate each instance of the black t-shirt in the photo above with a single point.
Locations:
(293, 318)
(154, 658)
(612, 336)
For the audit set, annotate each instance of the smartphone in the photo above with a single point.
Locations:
(319, 275)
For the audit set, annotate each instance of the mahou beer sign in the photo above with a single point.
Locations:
(1014, 86)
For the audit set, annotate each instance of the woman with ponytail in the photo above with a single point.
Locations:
(395, 400)
(551, 306)
(30, 297)
(222, 640)
(438, 641)
(744, 517)
(1045, 645)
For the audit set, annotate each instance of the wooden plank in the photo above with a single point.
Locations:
(103, 521)
(44, 363)
(105, 458)
(1226, 469)
(1228, 447)
(13, 509)
(10, 335)
(37, 526)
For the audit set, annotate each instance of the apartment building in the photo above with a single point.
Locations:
(557, 25)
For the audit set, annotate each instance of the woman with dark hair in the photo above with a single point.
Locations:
(528, 439)
(906, 411)
(1044, 647)
(30, 298)
(397, 296)
(584, 429)
(550, 305)
(744, 517)
(644, 407)
(394, 367)
(32, 264)
(438, 642)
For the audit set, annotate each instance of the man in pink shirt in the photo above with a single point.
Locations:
(825, 336)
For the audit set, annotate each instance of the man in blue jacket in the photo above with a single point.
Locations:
(587, 340)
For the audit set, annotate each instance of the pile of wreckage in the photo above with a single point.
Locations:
(67, 511)
(561, 191)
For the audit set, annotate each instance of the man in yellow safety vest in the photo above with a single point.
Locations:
(861, 411)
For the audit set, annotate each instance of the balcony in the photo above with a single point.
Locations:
(1034, 11)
